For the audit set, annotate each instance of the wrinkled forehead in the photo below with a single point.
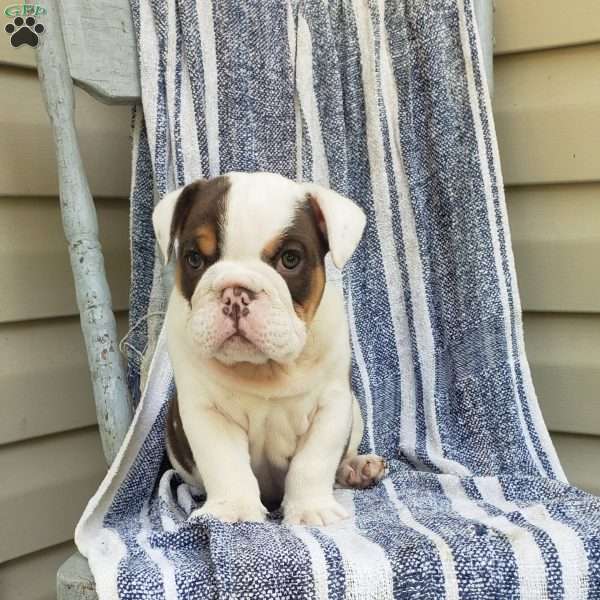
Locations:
(259, 208)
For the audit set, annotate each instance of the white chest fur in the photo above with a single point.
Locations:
(275, 429)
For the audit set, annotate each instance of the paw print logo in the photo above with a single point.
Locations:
(24, 31)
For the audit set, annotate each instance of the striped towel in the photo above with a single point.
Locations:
(384, 101)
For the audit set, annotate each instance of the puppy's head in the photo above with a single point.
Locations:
(250, 251)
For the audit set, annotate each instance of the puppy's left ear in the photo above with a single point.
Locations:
(162, 219)
(340, 220)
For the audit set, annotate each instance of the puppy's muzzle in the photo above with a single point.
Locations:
(237, 303)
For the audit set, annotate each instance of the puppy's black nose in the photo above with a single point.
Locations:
(236, 302)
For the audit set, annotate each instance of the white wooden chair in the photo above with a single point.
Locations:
(91, 44)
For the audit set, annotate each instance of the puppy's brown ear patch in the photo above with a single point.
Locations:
(318, 214)
(205, 196)
(181, 212)
(342, 219)
(198, 219)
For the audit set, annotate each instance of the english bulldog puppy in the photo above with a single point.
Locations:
(259, 344)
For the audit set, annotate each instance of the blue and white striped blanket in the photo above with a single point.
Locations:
(385, 101)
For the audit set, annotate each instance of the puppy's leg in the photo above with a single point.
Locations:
(220, 449)
(359, 470)
(308, 498)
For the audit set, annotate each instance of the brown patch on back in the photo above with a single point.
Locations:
(197, 224)
(177, 440)
(206, 239)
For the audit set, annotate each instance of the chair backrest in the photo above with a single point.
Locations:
(101, 48)
(100, 45)
(91, 43)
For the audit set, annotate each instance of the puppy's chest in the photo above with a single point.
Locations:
(275, 427)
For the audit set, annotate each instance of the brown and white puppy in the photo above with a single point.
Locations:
(260, 347)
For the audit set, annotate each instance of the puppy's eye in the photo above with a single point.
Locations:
(194, 259)
(290, 259)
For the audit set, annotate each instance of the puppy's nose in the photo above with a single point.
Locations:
(236, 302)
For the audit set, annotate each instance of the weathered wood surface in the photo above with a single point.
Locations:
(81, 230)
(75, 581)
(484, 13)
(101, 48)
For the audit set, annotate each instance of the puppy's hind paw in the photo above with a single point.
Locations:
(361, 471)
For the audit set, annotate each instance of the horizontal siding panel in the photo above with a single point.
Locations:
(34, 257)
(50, 481)
(23, 56)
(44, 378)
(547, 111)
(564, 355)
(28, 168)
(521, 25)
(33, 577)
(556, 240)
(579, 457)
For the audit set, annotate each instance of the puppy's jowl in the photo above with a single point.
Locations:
(259, 344)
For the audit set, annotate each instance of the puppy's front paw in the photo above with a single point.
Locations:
(313, 511)
(232, 510)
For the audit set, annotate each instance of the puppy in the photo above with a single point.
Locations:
(259, 344)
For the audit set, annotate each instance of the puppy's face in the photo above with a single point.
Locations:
(250, 252)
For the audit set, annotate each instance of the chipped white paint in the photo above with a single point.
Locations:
(101, 48)
(484, 15)
(81, 230)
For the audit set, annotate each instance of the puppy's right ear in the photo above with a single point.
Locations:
(165, 218)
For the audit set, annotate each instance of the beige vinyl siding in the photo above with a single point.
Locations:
(33, 576)
(565, 362)
(25, 263)
(51, 479)
(24, 56)
(50, 455)
(29, 166)
(525, 25)
(49, 392)
(547, 112)
(546, 107)
(556, 238)
(579, 456)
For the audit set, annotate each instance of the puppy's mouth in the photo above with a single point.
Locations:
(237, 348)
(239, 337)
